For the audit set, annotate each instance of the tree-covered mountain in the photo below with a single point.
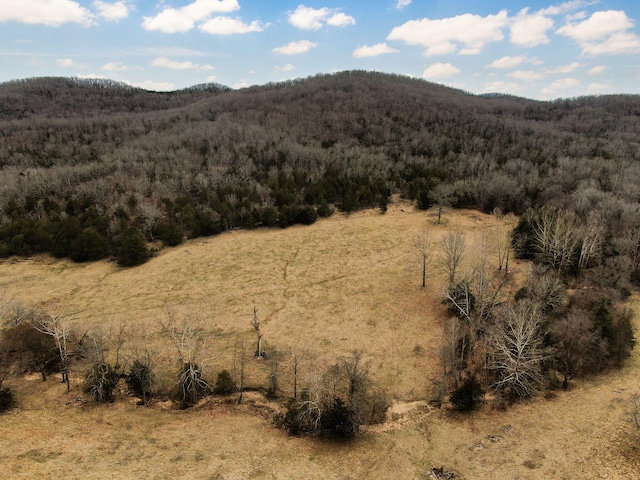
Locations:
(86, 165)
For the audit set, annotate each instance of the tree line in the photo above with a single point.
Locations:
(203, 160)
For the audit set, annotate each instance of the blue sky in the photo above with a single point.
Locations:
(536, 49)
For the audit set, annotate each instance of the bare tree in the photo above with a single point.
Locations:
(423, 248)
(256, 326)
(296, 359)
(189, 338)
(516, 348)
(442, 196)
(107, 368)
(503, 243)
(452, 253)
(57, 328)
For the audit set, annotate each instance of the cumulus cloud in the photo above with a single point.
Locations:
(165, 62)
(285, 68)
(571, 67)
(307, 18)
(604, 32)
(229, 26)
(65, 62)
(112, 11)
(597, 70)
(295, 48)
(114, 67)
(155, 86)
(444, 36)
(526, 75)
(180, 20)
(440, 70)
(373, 50)
(341, 20)
(507, 62)
(52, 13)
(596, 88)
(530, 30)
(559, 86)
(501, 87)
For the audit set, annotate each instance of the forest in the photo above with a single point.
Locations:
(93, 169)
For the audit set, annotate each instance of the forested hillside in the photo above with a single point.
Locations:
(94, 168)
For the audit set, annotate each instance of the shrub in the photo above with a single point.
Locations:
(7, 399)
(101, 381)
(468, 395)
(32, 349)
(224, 383)
(133, 249)
(140, 379)
(89, 246)
(191, 386)
(339, 420)
(169, 233)
(303, 416)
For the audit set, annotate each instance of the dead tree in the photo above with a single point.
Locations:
(256, 326)
(516, 348)
(452, 253)
(189, 339)
(57, 328)
(423, 249)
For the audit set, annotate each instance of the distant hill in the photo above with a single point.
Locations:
(204, 159)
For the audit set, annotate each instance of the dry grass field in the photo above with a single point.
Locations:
(342, 284)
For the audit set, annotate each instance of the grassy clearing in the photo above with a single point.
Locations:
(342, 283)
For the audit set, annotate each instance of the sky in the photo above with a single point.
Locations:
(530, 48)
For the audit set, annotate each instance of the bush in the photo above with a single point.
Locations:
(89, 246)
(133, 250)
(101, 381)
(7, 399)
(468, 395)
(140, 379)
(339, 420)
(191, 386)
(169, 233)
(224, 383)
(303, 416)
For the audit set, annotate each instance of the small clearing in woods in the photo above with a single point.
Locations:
(344, 283)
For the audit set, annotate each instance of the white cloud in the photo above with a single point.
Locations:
(501, 87)
(562, 85)
(90, 76)
(165, 62)
(114, 67)
(440, 70)
(229, 26)
(530, 30)
(596, 88)
(155, 86)
(403, 3)
(507, 62)
(285, 68)
(52, 13)
(211, 78)
(341, 20)
(604, 32)
(65, 62)
(597, 70)
(443, 36)
(571, 67)
(180, 20)
(526, 75)
(373, 50)
(112, 11)
(307, 18)
(295, 48)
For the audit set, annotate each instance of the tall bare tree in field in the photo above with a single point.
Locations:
(55, 326)
(516, 348)
(256, 326)
(452, 253)
(423, 249)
